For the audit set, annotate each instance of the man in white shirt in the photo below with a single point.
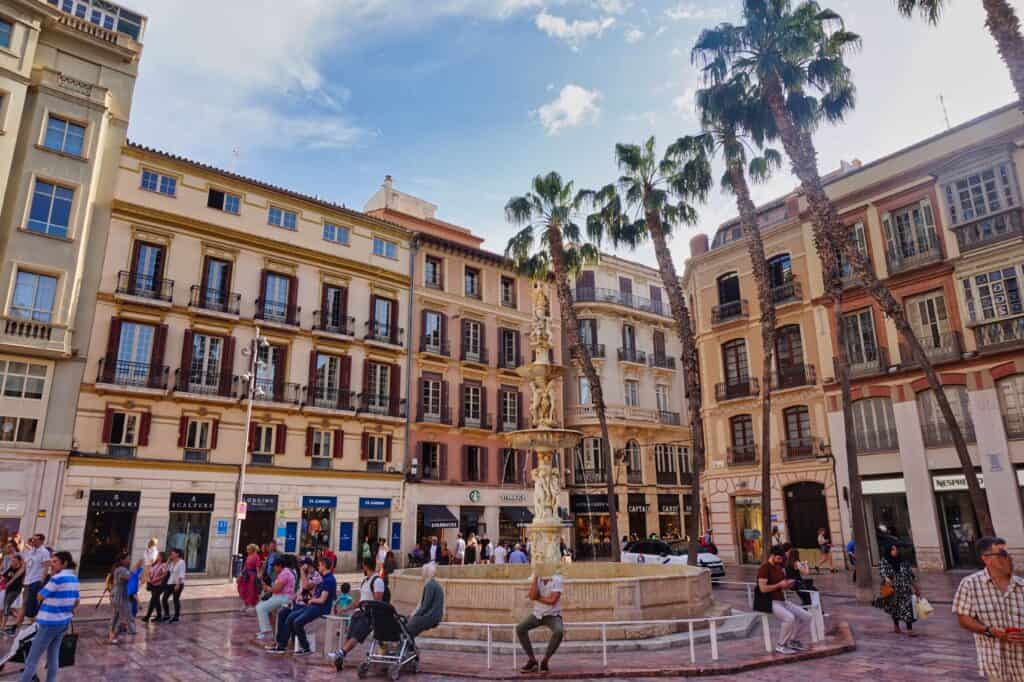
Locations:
(460, 550)
(36, 558)
(500, 553)
(433, 549)
(546, 594)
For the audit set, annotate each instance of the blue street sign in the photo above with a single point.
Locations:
(345, 537)
(396, 535)
(222, 526)
(291, 534)
(281, 532)
(375, 503)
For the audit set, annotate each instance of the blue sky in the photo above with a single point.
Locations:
(464, 101)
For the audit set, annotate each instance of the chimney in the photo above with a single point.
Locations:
(699, 245)
(388, 184)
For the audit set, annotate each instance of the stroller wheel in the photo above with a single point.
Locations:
(339, 663)
(414, 666)
(394, 671)
(363, 669)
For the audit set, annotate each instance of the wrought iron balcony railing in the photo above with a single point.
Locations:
(793, 376)
(132, 374)
(900, 262)
(999, 335)
(145, 286)
(214, 300)
(334, 323)
(744, 388)
(427, 415)
(742, 455)
(589, 476)
(383, 332)
(632, 355)
(477, 356)
(484, 422)
(941, 347)
(634, 477)
(596, 349)
(616, 297)
(799, 448)
(661, 361)
(205, 383)
(669, 418)
(869, 363)
(383, 405)
(328, 398)
(435, 346)
(726, 312)
(277, 312)
(271, 391)
(787, 292)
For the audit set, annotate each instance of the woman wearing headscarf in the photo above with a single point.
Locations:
(899, 574)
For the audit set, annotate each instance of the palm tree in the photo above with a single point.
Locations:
(786, 53)
(550, 244)
(732, 126)
(640, 207)
(1001, 21)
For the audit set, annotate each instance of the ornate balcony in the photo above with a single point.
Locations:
(661, 362)
(669, 418)
(991, 229)
(132, 374)
(899, 262)
(741, 455)
(747, 388)
(999, 335)
(484, 422)
(799, 448)
(727, 312)
(632, 355)
(789, 292)
(277, 313)
(616, 297)
(42, 338)
(793, 376)
(332, 323)
(596, 349)
(589, 477)
(874, 362)
(331, 398)
(212, 300)
(434, 346)
(944, 347)
(382, 332)
(206, 384)
(442, 415)
(634, 477)
(381, 405)
(1014, 424)
(667, 478)
(270, 391)
(478, 356)
(143, 286)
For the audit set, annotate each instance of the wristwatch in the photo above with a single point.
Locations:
(988, 632)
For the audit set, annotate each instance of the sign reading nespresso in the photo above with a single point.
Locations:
(191, 502)
(260, 503)
(114, 500)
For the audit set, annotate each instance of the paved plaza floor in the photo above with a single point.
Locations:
(213, 644)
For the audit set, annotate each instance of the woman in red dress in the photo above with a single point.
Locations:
(248, 582)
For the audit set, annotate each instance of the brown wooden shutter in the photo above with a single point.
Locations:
(519, 409)
(280, 439)
(251, 442)
(656, 298)
(420, 383)
(464, 344)
(389, 448)
(519, 348)
(279, 372)
(465, 462)
(485, 454)
(499, 420)
(366, 378)
(186, 358)
(156, 361)
(144, 424)
(366, 446)
(182, 431)
(443, 464)
(325, 313)
(214, 432)
(113, 341)
(483, 341)
(261, 304)
(343, 304)
(108, 425)
(227, 371)
(339, 443)
(345, 373)
(423, 328)
(520, 456)
(501, 346)
(309, 441)
(483, 406)
(133, 265)
(204, 287)
(625, 286)
(659, 344)
(371, 326)
(393, 322)
(444, 398)
(444, 330)
(462, 404)
(225, 282)
(585, 281)
(312, 374)
(293, 300)
(419, 461)
(396, 389)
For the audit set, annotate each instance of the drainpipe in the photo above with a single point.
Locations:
(413, 250)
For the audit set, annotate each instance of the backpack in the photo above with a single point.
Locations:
(387, 590)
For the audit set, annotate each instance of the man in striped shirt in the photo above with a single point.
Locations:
(59, 601)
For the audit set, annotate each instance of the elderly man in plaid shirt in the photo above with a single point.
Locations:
(990, 603)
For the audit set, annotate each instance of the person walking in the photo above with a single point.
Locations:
(282, 592)
(460, 550)
(518, 556)
(898, 574)
(365, 551)
(248, 583)
(546, 595)
(151, 553)
(60, 598)
(14, 578)
(771, 586)
(825, 548)
(990, 604)
(155, 585)
(37, 560)
(175, 586)
(371, 589)
(292, 622)
(119, 601)
(382, 552)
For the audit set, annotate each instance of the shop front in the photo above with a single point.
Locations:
(260, 523)
(888, 516)
(669, 526)
(471, 519)
(188, 527)
(512, 523)
(959, 526)
(318, 514)
(592, 526)
(373, 519)
(637, 508)
(109, 530)
(747, 521)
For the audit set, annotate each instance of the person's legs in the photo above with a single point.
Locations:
(178, 589)
(786, 619)
(53, 653)
(801, 623)
(265, 608)
(553, 623)
(298, 626)
(165, 598)
(531, 622)
(40, 646)
(283, 633)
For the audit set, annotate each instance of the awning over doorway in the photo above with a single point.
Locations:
(520, 515)
(438, 516)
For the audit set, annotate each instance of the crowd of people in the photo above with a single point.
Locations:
(473, 550)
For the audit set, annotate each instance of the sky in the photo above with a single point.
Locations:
(463, 102)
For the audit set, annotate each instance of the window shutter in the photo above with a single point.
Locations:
(890, 237)
(343, 303)
(279, 370)
(186, 359)
(204, 286)
(419, 461)
(465, 462)
(309, 441)
(423, 327)
(585, 281)
(519, 348)
(108, 424)
(483, 340)
(227, 370)
(372, 325)
(214, 432)
(293, 299)
(113, 341)
(390, 447)
(499, 422)
(443, 463)
(625, 286)
(366, 446)
(659, 344)
(182, 431)
(394, 321)
(419, 398)
(366, 378)
(156, 361)
(484, 456)
(396, 389)
(262, 301)
(144, 423)
(462, 404)
(483, 406)
(280, 439)
(345, 373)
(502, 359)
(325, 313)
(656, 296)
(252, 437)
(465, 339)
(444, 330)
(520, 456)
(339, 443)
(312, 374)
(519, 409)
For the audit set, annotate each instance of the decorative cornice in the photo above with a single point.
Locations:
(168, 465)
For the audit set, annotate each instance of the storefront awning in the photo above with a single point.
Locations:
(521, 516)
(437, 516)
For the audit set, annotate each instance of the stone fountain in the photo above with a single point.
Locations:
(594, 591)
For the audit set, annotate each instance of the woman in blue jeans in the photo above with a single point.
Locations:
(59, 600)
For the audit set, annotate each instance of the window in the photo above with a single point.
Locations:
(322, 448)
(376, 452)
(224, 201)
(136, 345)
(590, 455)
(981, 193)
(861, 346)
(936, 432)
(927, 316)
(728, 289)
(264, 441)
(508, 292)
(282, 218)
(910, 232)
(34, 296)
(473, 288)
(474, 463)
(633, 462)
(509, 348)
(268, 361)
(432, 331)
(385, 248)
(124, 434)
(1011, 397)
(64, 136)
(860, 240)
(734, 356)
(588, 332)
(472, 340)
(632, 393)
(799, 442)
(684, 458)
(874, 425)
(197, 441)
(665, 458)
(431, 399)
(6, 30)
(511, 469)
(51, 209)
(22, 379)
(204, 373)
(379, 384)
(741, 429)
(382, 328)
(661, 394)
(584, 386)
(780, 270)
(18, 430)
(328, 380)
(471, 406)
(993, 295)
(432, 273)
(430, 461)
(159, 183)
(335, 233)
(628, 337)
(335, 301)
(510, 410)
(276, 293)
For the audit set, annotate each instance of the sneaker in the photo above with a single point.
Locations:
(530, 667)
(797, 645)
(303, 652)
(784, 650)
(276, 650)
(263, 635)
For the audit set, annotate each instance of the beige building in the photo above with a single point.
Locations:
(626, 322)
(198, 262)
(66, 83)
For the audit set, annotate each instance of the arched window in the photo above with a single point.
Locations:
(874, 425)
(799, 442)
(1011, 398)
(933, 425)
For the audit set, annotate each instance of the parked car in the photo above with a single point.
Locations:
(661, 552)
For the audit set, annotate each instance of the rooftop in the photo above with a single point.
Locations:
(106, 15)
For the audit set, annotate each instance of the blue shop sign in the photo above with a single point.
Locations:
(291, 536)
(314, 501)
(345, 537)
(375, 503)
(396, 536)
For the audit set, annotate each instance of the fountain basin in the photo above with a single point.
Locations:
(543, 440)
(497, 594)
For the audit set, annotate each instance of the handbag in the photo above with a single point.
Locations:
(923, 608)
(762, 601)
(886, 591)
(68, 647)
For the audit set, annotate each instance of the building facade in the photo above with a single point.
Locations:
(471, 317)
(66, 84)
(215, 287)
(625, 320)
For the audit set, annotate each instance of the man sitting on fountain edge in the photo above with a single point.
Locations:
(546, 594)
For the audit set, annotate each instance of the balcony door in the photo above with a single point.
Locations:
(275, 305)
(216, 283)
(328, 375)
(910, 232)
(432, 331)
(789, 356)
(798, 431)
(734, 359)
(628, 338)
(382, 314)
(207, 352)
(147, 269)
(780, 270)
(728, 289)
(860, 337)
(134, 352)
(928, 318)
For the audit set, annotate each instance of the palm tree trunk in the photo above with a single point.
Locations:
(759, 264)
(691, 372)
(581, 351)
(830, 236)
(1003, 24)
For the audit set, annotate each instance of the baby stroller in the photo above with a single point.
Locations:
(20, 646)
(388, 630)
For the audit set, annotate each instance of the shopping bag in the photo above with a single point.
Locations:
(923, 608)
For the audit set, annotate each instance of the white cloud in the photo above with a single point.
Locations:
(686, 11)
(676, 52)
(574, 106)
(661, 29)
(613, 6)
(685, 104)
(634, 35)
(573, 33)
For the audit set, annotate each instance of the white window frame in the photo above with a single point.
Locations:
(873, 421)
(281, 217)
(385, 248)
(229, 199)
(915, 222)
(14, 381)
(376, 448)
(432, 318)
(509, 346)
(36, 312)
(438, 282)
(993, 295)
(583, 386)
(474, 336)
(509, 458)
(328, 375)
(508, 285)
(323, 444)
(631, 391)
(380, 385)
(130, 422)
(590, 455)
(431, 397)
(336, 234)
(478, 278)
(859, 316)
(266, 439)
(965, 188)
(65, 135)
(164, 184)
(131, 345)
(208, 362)
(510, 409)
(665, 456)
(198, 434)
(430, 450)
(634, 459)
(471, 400)
(49, 227)
(685, 465)
(16, 424)
(663, 396)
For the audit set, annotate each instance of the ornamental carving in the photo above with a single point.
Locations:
(75, 85)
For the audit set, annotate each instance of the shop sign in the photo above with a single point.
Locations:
(512, 497)
(637, 508)
(191, 502)
(314, 501)
(588, 504)
(953, 482)
(474, 496)
(113, 500)
(345, 537)
(374, 503)
(222, 526)
(396, 535)
(12, 508)
(668, 504)
(260, 503)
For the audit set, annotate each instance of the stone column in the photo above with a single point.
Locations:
(920, 496)
(837, 438)
(997, 469)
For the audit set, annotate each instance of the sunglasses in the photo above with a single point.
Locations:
(1003, 554)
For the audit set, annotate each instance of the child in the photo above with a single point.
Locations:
(344, 600)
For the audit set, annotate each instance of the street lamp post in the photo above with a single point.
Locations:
(251, 391)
